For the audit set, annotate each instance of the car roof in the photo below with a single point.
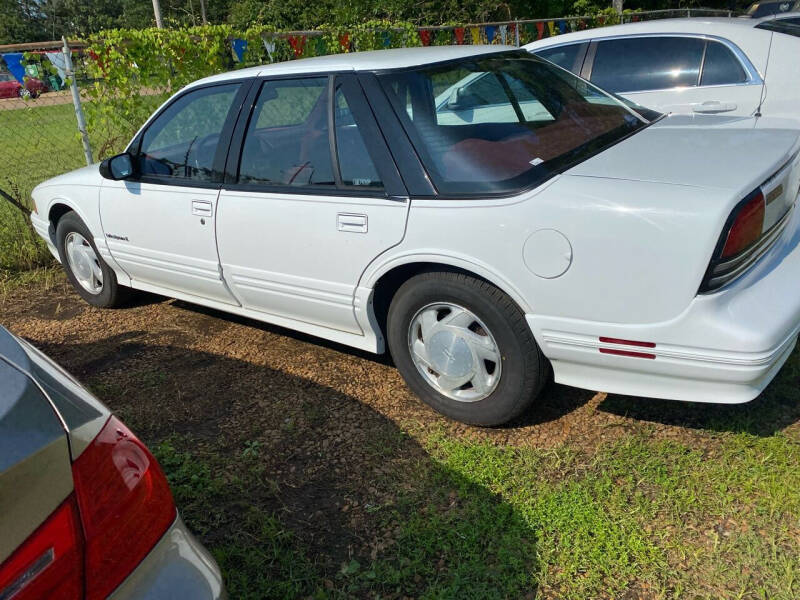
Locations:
(728, 27)
(373, 60)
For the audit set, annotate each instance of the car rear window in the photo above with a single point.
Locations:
(787, 26)
(721, 67)
(565, 56)
(503, 123)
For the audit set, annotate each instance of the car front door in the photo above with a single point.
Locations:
(678, 74)
(312, 200)
(159, 225)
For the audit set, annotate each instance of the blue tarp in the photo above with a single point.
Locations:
(14, 62)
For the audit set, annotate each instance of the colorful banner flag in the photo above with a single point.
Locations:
(562, 26)
(269, 46)
(490, 31)
(551, 27)
(503, 34)
(475, 34)
(582, 24)
(321, 46)
(635, 18)
(344, 42)
(425, 37)
(459, 33)
(298, 44)
(239, 46)
(539, 30)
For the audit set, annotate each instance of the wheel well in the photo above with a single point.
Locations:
(388, 284)
(56, 212)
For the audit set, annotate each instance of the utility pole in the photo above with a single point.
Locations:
(203, 12)
(157, 13)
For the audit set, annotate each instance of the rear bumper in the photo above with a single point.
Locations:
(724, 348)
(177, 567)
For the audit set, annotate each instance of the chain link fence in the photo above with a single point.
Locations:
(40, 135)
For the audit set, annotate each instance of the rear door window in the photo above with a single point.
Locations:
(721, 67)
(647, 63)
(287, 138)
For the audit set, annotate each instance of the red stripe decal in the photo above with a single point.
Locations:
(627, 353)
(608, 340)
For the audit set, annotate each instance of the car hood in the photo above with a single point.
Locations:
(700, 151)
(84, 176)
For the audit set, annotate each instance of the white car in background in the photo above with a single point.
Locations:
(728, 66)
(475, 210)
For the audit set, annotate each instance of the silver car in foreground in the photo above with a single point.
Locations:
(85, 510)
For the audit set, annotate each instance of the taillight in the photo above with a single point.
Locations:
(747, 226)
(125, 506)
(49, 564)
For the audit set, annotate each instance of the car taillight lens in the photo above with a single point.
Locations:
(49, 564)
(747, 226)
(125, 506)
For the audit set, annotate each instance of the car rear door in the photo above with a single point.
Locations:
(678, 74)
(311, 197)
(159, 224)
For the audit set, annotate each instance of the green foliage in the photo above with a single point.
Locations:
(136, 70)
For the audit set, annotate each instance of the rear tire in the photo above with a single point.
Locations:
(464, 347)
(88, 273)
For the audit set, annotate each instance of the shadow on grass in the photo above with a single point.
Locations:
(300, 490)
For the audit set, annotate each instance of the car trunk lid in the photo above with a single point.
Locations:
(698, 151)
(35, 465)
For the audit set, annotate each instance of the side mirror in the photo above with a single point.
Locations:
(461, 99)
(117, 167)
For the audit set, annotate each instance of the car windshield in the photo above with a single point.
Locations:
(504, 122)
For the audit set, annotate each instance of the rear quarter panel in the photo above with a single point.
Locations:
(782, 95)
(639, 250)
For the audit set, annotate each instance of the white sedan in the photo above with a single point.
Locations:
(374, 200)
(724, 66)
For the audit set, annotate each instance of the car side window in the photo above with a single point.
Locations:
(564, 56)
(647, 63)
(182, 141)
(287, 138)
(721, 67)
(355, 164)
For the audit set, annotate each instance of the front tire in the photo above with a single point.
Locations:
(464, 347)
(88, 273)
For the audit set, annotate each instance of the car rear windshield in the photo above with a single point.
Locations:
(505, 122)
(787, 26)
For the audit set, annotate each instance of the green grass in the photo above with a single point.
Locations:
(36, 143)
(636, 515)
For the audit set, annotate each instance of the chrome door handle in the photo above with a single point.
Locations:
(713, 106)
(351, 222)
(202, 208)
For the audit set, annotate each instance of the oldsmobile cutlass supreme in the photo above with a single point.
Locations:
(482, 213)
